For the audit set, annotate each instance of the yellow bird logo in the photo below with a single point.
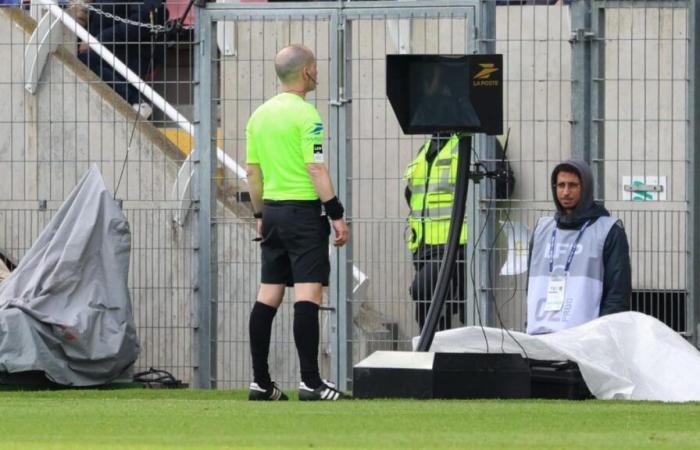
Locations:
(486, 70)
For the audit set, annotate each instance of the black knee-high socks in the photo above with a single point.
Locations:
(306, 338)
(260, 329)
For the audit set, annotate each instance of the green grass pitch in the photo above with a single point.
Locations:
(160, 419)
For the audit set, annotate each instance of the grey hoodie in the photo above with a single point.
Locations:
(586, 209)
(617, 282)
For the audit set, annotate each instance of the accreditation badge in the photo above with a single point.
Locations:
(318, 153)
(556, 291)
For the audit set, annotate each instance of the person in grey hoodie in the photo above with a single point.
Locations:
(579, 264)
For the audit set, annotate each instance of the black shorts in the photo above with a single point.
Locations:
(295, 243)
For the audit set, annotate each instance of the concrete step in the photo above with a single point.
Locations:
(184, 141)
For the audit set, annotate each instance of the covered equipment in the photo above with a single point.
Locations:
(65, 310)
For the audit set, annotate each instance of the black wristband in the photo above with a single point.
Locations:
(334, 209)
(257, 215)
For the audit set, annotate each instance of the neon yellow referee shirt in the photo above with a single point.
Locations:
(283, 135)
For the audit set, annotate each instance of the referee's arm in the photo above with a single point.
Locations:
(324, 188)
(255, 188)
(321, 180)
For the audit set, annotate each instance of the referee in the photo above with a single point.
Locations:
(290, 188)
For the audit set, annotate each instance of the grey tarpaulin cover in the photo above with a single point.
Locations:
(65, 310)
(627, 355)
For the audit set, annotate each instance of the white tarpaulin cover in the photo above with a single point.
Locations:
(622, 356)
(65, 310)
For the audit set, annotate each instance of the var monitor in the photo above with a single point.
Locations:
(446, 93)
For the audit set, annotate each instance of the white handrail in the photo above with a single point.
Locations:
(156, 99)
(153, 96)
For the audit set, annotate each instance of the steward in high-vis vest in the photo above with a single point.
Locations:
(431, 181)
(579, 265)
(430, 188)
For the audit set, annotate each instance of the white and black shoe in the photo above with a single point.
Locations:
(326, 391)
(257, 393)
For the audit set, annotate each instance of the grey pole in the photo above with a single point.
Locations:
(205, 285)
(693, 257)
(341, 274)
(596, 42)
(588, 88)
(487, 151)
(581, 79)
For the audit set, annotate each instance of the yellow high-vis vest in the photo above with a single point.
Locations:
(432, 194)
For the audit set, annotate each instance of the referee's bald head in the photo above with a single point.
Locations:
(291, 60)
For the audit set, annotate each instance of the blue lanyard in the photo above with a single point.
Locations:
(571, 253)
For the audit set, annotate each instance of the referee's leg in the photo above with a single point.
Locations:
(307, 247)
(307, 299)
(275, 275)
(260, 329)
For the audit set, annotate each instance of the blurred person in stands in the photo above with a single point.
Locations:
(138, 47)
(78, 10)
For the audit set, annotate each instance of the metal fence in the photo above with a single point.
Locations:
(69, 120)
(640, 91)
(611, 82)
(603, 81)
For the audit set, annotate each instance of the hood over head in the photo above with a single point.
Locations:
(587, 208)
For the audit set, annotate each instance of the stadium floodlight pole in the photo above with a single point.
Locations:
(447, 266)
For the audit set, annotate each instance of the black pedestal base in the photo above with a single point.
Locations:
(441, 375)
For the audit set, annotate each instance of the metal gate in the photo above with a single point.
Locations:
(366, 306)
(610, 82)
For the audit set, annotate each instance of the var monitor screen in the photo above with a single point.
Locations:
(431, 93)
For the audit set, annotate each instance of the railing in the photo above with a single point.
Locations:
(42, 36)
(134, 79)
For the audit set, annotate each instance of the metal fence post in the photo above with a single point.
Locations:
(340, 116)
(693, 258)
(588, 89)
(205, 286)
(595, 40)
(486, 39)
(581, 79)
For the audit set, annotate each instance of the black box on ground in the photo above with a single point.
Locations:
(557, 380)
(31, 379)
(427, 375)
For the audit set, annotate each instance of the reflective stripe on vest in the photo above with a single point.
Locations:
(441, 186)
(435, 212)
(432, 195)
(584, 284)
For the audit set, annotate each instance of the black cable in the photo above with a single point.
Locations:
(490, 281)
(489, 255)
(492, 286)
(151, 64)
(473, 278)
(157, 376)
(472, 273)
